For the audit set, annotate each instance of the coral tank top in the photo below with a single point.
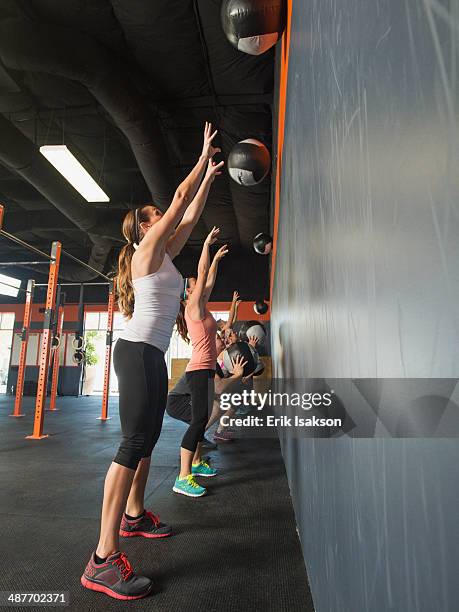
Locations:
(203, 335)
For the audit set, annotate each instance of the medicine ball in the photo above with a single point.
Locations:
(260, 307)
(263, 244)
(258, 331)
(249, 162)
(259, 367)
(242, 349)
(253, 26)
(245, 325)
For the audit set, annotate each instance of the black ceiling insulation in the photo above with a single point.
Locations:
(127, 85)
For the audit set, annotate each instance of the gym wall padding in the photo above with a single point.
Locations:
(366, 286)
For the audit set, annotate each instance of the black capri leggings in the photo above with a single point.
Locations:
(142, 383)
(201, 383)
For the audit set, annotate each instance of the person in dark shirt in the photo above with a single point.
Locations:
(179, 399)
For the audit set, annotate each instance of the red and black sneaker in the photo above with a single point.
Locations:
(115, 578)
(147, 526)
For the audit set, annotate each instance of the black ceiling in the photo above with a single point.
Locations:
(127, 86)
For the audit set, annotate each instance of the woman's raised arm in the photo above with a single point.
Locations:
(179, 238)
(160, 233)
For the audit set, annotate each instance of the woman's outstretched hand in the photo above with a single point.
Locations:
(212, 236)
(238, 366)
(208, 150)
(213, 169)
(222, 251)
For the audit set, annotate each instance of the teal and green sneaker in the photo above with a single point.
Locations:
(188, 486)
(203, 469)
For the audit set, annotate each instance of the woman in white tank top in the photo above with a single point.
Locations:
(149, 288)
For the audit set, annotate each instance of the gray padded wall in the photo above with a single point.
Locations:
(367, 285)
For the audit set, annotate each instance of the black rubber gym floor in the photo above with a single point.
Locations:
(236, 549)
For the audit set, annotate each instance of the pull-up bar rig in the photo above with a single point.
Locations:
(3, 264)
(58, 325)
(49, 320)
(73, 284)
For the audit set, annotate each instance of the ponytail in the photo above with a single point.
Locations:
(124, 281)
(132, 234)
(181, 323)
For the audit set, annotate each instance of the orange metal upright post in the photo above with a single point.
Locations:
(56, 358)
(37, 433)
(23, 354)
(108, 351)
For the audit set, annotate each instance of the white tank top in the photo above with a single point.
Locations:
(156, 305)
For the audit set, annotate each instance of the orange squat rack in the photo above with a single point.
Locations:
(108, 351)
(37, 433)
(56, 350)
(23, 353)
(48, 332)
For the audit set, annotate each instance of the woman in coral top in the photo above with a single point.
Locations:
(200, 371)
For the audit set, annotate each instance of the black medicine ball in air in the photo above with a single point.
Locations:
(253, 26)
(263, 244)
(249, 162)
(260, 307)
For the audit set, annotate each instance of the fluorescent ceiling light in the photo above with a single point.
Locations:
(67, 164)
(8, 289)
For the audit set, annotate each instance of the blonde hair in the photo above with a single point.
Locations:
(131, 231)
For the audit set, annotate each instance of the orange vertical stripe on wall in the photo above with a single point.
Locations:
(280, 134)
